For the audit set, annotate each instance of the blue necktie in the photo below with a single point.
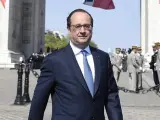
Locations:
(88, 73)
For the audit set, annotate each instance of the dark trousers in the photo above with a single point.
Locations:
(155, 77)
(139, 80)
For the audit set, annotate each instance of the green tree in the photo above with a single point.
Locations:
(93, 44)
(61, 43)
(53, 42)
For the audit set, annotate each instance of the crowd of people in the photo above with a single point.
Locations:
(134, 62)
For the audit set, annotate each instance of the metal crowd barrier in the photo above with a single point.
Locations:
(35, 61)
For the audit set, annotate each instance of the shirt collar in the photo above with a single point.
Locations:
(77, 50)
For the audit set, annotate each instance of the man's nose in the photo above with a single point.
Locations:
(82, 30)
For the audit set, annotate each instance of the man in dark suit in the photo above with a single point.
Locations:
(152, 66)
(78, 77)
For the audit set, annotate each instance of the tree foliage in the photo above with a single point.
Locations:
(93, 44)
(52, 42)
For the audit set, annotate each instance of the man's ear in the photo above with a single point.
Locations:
(69, 30)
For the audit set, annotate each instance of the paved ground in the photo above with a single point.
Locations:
(134, 106)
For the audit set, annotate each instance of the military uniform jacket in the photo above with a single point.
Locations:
(132, 63)
(153, 60)
(158, 61)
(116, 61)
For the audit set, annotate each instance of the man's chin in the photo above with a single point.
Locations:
(84, 44)
(82, 39)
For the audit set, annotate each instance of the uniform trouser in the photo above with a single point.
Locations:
(155, 77)
(158, 72)
(117, 75)
(132, 80)
(139, 80)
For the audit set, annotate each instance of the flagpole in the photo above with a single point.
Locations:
(140, 22)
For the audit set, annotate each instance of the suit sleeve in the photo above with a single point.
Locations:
(112, 60)
(152, 62)
(135, 61)
(158, 56)
(138, 60)
(112, 102)
(119, 62)
(42, 90)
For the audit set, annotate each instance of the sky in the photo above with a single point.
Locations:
(119, 27)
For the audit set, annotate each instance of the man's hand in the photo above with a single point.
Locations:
(140, 68)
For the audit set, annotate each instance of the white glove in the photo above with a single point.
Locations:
(140, 68)
(143, 70)
(120, 67)
(154, 64)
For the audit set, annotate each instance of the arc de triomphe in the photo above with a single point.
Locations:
(22, 25)
(150, 24)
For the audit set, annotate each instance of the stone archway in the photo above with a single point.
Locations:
(22, 30)
(150, 24)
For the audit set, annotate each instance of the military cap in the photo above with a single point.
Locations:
(153, 46)
(134, 47)
(118, 49)
(157, 43)
(139, 48)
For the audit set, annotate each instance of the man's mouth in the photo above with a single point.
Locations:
(82, 37)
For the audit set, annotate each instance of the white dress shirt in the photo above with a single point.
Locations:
(79, 58)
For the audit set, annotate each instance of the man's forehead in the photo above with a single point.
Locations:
(80, 16)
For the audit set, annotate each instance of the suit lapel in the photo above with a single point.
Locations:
(72, 62)
(96, 59)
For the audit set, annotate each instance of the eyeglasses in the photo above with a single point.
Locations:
(85, 26)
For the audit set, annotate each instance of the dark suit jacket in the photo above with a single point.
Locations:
(61, 76)
(153, 60)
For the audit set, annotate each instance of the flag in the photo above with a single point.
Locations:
(105, 4)
(3, 2)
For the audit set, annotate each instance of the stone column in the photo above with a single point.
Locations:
(39, 25)
(9, 34)
(153, 22)
(33, 17)
(4, 25)
(150, 24)
(22, 26)
(144, 25)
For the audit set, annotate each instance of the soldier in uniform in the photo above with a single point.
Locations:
(140, 60)
(157, 64)
(117, 63)
(124, 60)
(132, 66)
(153, 64)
